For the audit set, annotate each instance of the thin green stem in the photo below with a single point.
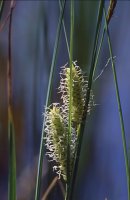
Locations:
(70, 97)
(49, 91)
(119, 107)
(109, 15)
(111, 8)
(65, 33)
(98, 52)
(1, 7)
(11, 132)
(12, 162)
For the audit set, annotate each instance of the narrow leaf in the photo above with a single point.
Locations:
(12, 163)
(41, 153)
(99, 19)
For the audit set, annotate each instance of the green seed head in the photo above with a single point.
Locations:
(56, 139)
(79, 90)
(57, 117)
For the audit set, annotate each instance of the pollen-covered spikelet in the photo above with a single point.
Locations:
(57, 117)
(56, 139)
(79, 90)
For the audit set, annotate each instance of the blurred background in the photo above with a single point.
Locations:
(102, 168)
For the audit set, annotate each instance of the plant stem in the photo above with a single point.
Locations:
(65, 33)
(119, 107)
(41, 153)
(80, 138)
(98, 52)
(11, 133)
(70, 98)
(111, 8)
(50, 187)
(1, 7)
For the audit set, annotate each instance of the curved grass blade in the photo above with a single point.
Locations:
(41, 153)
(119, 106)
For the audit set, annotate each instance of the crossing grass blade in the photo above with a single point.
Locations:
(110, 12)
(48, 98)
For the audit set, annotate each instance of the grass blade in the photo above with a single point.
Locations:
(119, 106)
(65, 33)
(11, 132)
(12, 163)
(111, 8)
(1, 7)
(98, 52)
(100, 13)
(41, 153)
(70, 97)
(50, 187)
